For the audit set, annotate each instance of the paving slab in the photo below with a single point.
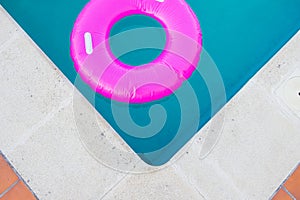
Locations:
(7, 26)
(164, 184)
(57, 166)
(32, 88)
(259, 142)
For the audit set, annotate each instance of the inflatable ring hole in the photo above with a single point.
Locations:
(133, 34)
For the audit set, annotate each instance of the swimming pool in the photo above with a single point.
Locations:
(238, 39)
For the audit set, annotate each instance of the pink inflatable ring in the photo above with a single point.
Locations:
(106, 75)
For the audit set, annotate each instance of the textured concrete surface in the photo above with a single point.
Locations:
(42, 117)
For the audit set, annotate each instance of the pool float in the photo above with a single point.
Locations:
(106, 75)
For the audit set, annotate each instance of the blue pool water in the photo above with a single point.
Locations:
(239, 37)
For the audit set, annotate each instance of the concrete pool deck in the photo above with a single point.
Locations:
(258, 145)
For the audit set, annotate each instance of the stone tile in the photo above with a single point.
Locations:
(288, 94)
(19, 191)
(207, 177)
(102, 142)
(293, 183)
(280, 66)
(163, 184)
(31, 88)
(7, 175)
(7, 26)
(55, 164)
(281, 195)
(258, 147)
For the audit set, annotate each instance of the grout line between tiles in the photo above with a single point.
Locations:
(291, 173)
(274, 193)
(26, 135)
(113, 186)
(9, 188)
(288, 192)
(182, 174)
(20, 178)
(224, 176)
(285, 179)
(126, 175)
